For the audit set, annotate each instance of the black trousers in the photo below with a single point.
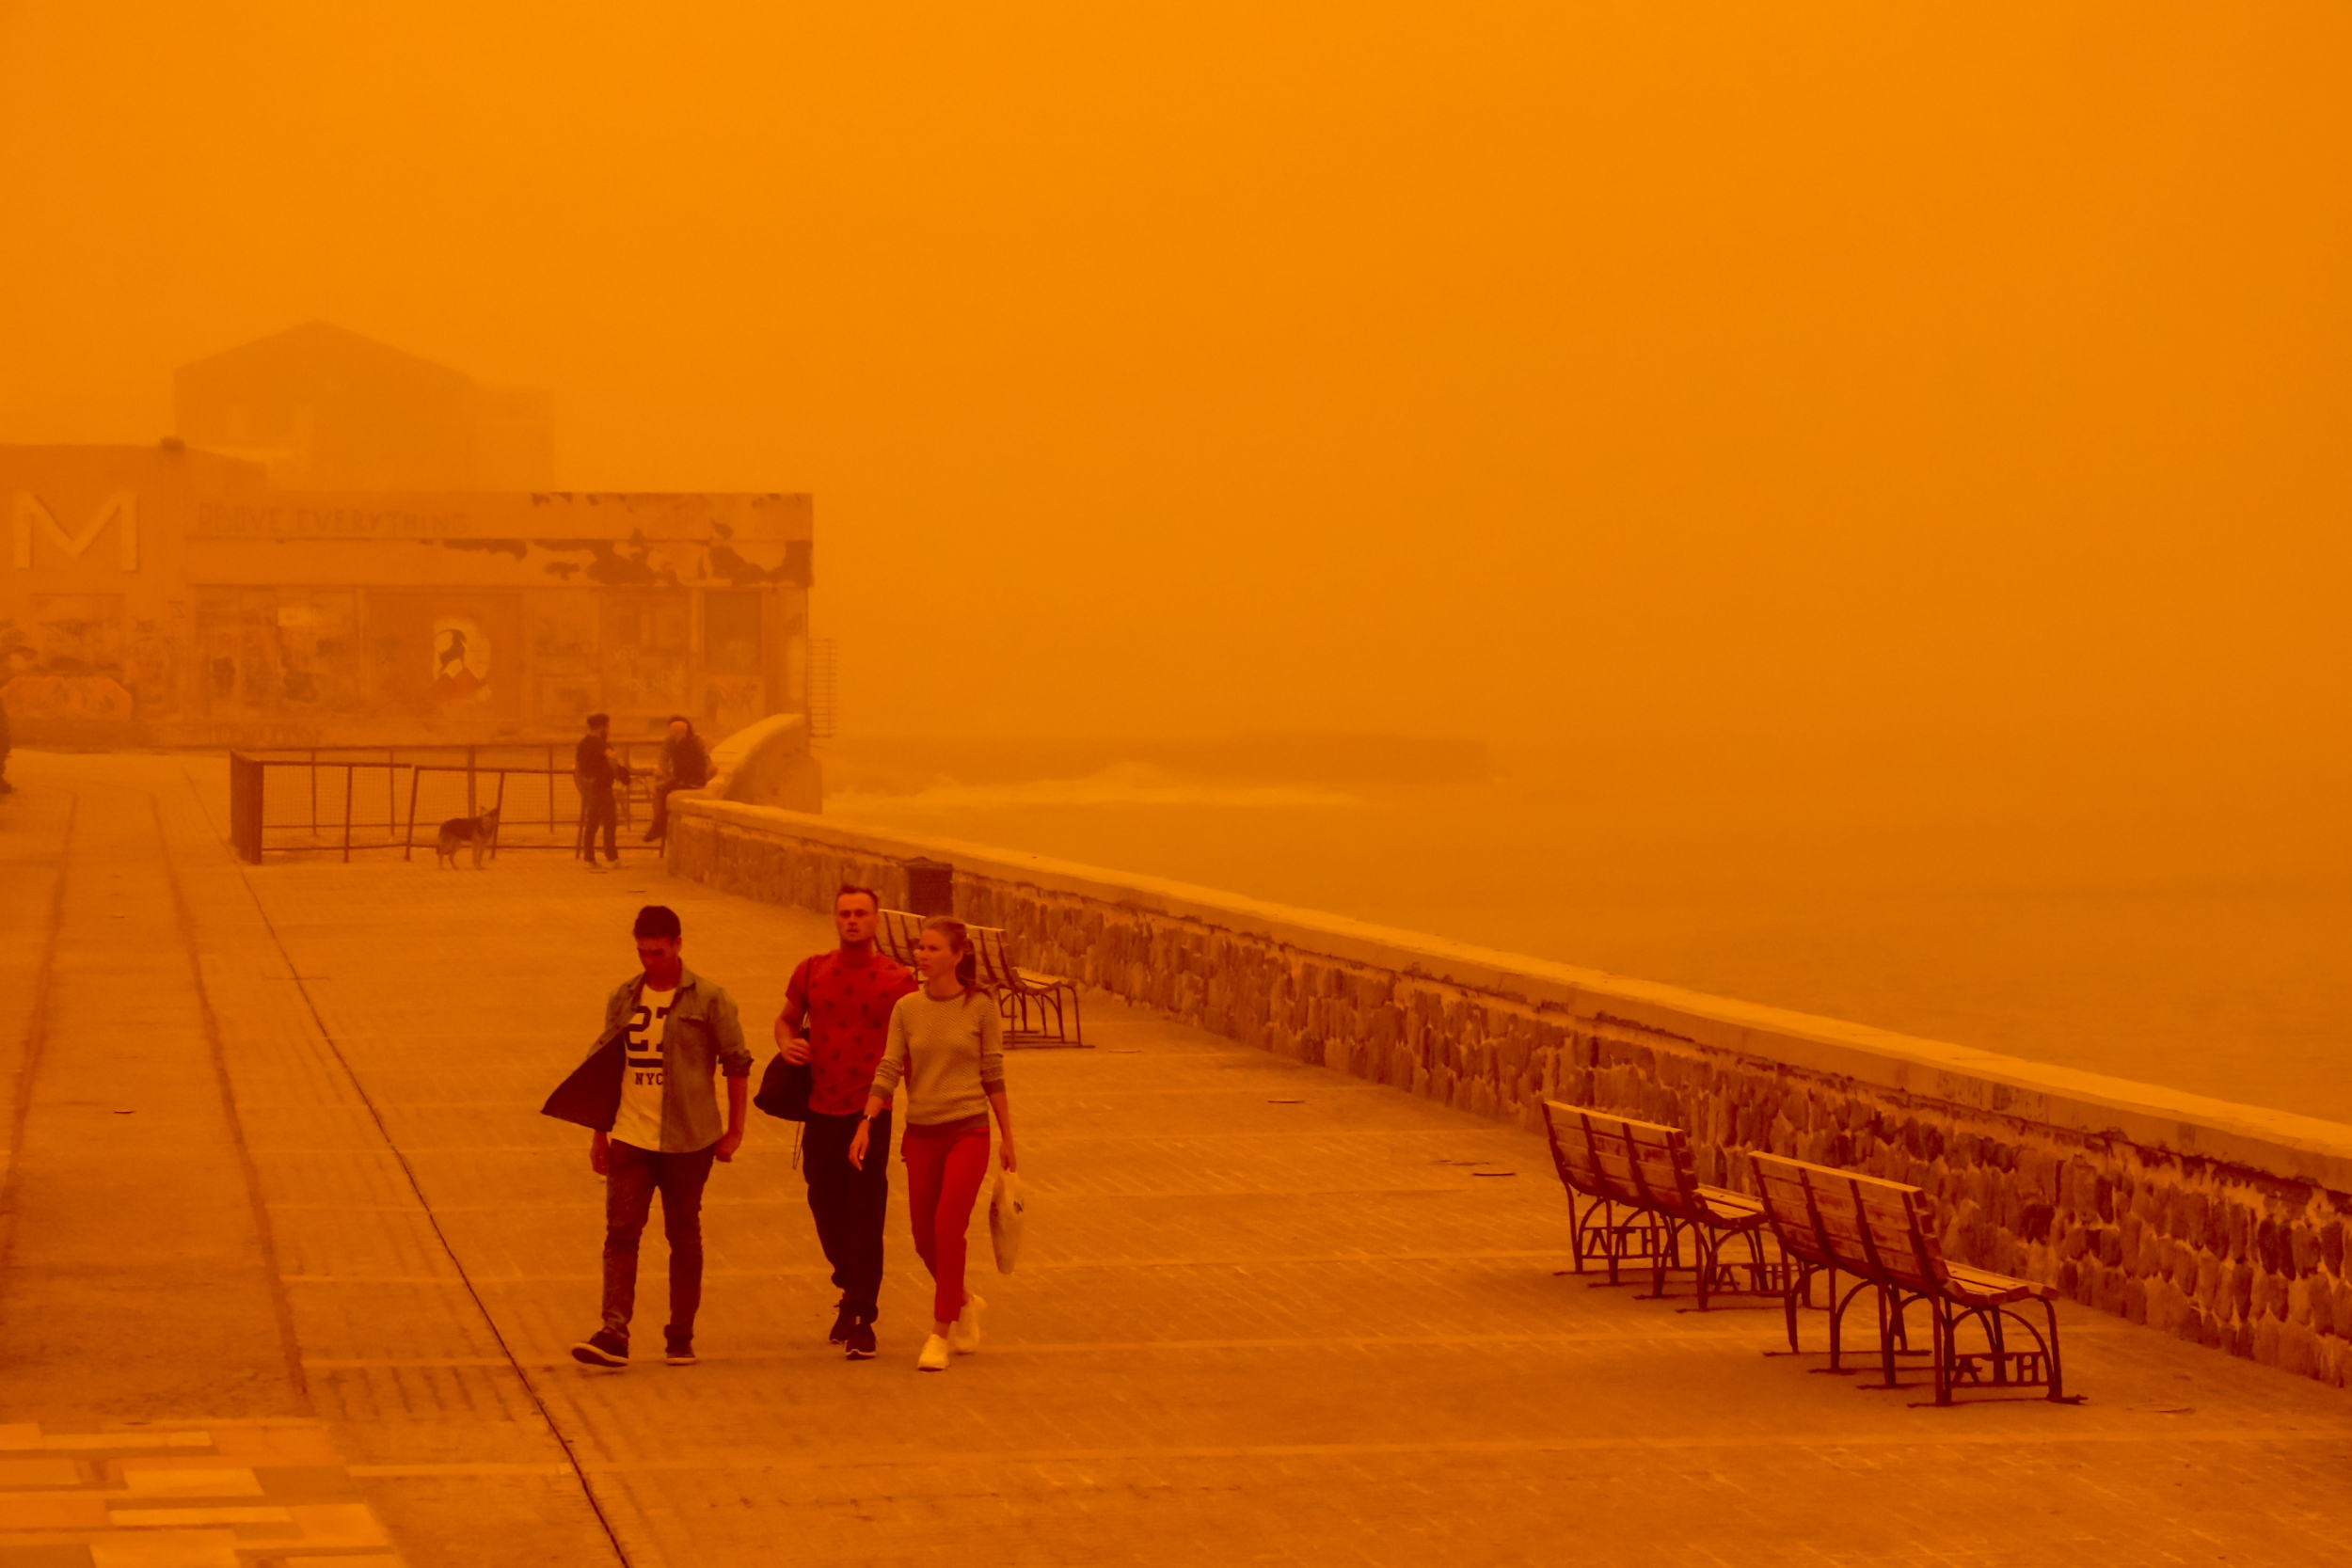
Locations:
(596, 807)
(850, 1204)
(660, 826)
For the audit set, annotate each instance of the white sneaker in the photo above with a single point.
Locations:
(965, 1333)
(934, 1357)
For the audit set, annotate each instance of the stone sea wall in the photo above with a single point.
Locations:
(2220, 1223)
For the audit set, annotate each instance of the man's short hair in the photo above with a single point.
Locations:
(848, 888)
(598, 721)
(659, 919)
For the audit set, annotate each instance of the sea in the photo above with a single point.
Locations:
(2133, 915)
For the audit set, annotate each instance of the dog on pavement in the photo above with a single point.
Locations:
(478, 833)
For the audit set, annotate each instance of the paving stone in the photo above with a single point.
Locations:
(52, 1511)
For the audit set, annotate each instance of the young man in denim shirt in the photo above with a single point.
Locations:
(668, 1035)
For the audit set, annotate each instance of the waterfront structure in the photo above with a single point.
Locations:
(349, 545)
(169, 595)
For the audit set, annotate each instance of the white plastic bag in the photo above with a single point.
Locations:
(1005, 1206)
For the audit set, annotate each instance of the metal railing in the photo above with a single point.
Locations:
(322, 801)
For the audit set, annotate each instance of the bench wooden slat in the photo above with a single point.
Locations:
(1883, 1233)
(1019, 989)
(1984, 1282)
(1731, 1202)
(1645, 1168)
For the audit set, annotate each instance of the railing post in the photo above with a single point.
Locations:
(408, 834)
(350, 770)
(472, 809)
(245, 807)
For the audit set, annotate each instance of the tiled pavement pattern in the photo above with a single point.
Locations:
(181, 1495)
(1267, 1314)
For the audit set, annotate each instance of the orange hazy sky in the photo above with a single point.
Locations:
(1845, 373)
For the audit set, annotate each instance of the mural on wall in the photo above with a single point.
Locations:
(461, 660)
(84, 697)
(17, 653)
(272, 651)
(448, 656)
(78, 634)
(150, 665)
(563, 659)
(67, 662)
(731, 702)
(646, 644)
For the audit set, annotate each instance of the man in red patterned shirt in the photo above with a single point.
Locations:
(845, 996)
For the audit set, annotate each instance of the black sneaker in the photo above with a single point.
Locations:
(679, 1351)
(859, 1340)
(842, 1319)
(603, 1348)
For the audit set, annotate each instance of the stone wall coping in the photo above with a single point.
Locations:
(733, 757)
(2277, 1143)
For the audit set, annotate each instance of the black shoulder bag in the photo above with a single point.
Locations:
(784, 1089)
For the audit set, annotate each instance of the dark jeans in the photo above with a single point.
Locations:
(631, 1177)
(596, 805)
(660, 826)
(850, 1204)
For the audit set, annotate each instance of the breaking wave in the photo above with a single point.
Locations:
(1125, 784)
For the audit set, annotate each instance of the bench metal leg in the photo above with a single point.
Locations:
(2009, 1369)
(2058, 1380)
(1945, 1329)
(1799, 1280)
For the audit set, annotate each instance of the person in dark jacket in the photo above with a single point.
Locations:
(649, 1095)
(595, 767)
(684, 765)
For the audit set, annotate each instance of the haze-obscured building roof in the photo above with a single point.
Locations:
(325, 408)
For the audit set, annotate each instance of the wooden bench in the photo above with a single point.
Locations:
(1017, 991)
(896, 932)
(1882, 1233)
(1611, 1164)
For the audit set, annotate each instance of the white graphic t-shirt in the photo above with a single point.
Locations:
(640, 1121)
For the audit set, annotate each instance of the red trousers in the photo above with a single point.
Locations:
(944, 1178)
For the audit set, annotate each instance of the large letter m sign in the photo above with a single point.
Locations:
(122, 509)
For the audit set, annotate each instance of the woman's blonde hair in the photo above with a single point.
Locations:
(959, 941)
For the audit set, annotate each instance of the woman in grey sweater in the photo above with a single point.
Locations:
(946, 1049)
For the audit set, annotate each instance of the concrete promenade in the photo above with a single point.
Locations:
(282, 1221)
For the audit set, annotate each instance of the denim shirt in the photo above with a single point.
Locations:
(702, 1034)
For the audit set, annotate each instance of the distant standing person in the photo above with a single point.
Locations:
(684, 765)
(845, 998)
(947, 1048)
(675, 1033)
(594, 768)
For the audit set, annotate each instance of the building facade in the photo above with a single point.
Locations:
(171, 595)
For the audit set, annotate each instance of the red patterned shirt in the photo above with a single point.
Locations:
(846, 1003)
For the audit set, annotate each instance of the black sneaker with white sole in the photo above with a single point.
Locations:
(842, 1319)
(679, 1349)
(859, 1340)
(603, 1348)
